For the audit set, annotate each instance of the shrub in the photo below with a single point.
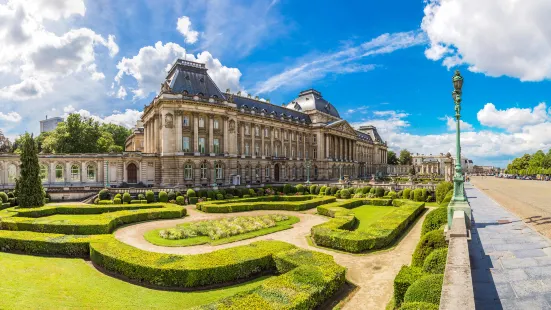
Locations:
(228, 196)
(386, 193)
(210, 194)
(141, 197)
(314, 189)
(441, 190)
(372, 190)
(412, 195)
(260, 192)
(436, 261)
(171, 196)
(246, 196)
(163, 196)
(126, 198)
(193, 200)
(300, 188)
(11, 195)
(338, 194)
(150, 197)
(218, 197)
(447, 198)
(345, 194)
(252, 193)
(379, 192)
(352, 190)
(424, 194)
(405, 193)
(117, 201)
(180, 200)
(290, 203)
(427, 289)
(334, 190)
(104, 194)
(96, 201)
(392, 194)
(323, 189)
(105, 202)
(434, 220)
(3, 197)
(429, 242)
(190, 193)
(118, 196)
(418, 195)
(28, 185)
(286, 189)
(140, 201)
(367, 190)
(418, 306)
(404, 279)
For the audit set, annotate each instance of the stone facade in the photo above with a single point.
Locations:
(439, 165)
(194, 135)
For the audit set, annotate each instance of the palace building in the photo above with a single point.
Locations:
(194, 135)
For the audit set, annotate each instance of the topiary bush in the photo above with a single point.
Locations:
(118, 196)
(338, 194)
(404, 279)
(427, 289)
(334, 190)
(412, 195)
(314, 189)
(405, 193)
(300, 188)
(287, 189)
(392, 194)
(434, 220)
(436, 261)
(171, 196)
(117, 201)
(190, 193)
(104, 194)
(126, 198)
(441, 190)
(180, 200)
(163, 196)
(150, 197)
(141, 197)
(428, 243)
(418, 194)
(419, 306)
(323, 189)
(379, 192)
(345, 194)
(3, 197)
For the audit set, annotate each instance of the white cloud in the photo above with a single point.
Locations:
(33, 56)
(341, 62)
(184, 27)
(121, 93)
(513, 119)
(13, 117)
(149, 68)
(128, 118)
(452, 124)
(495, 37)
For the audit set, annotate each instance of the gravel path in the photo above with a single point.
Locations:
(372, 273)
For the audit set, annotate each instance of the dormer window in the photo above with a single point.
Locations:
(185, 92)
(202, 80)
(214, 96)
(200, 94)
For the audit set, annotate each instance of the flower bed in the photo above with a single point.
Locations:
(289, 203)
(338, 233)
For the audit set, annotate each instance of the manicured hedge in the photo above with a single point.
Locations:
(427, 289)
(91, 225)
(138, 201)
(428, 243)
(5, 205)
(436, 261)
(405, 278)
(337, 233)
(289, 203)
(434, 220)
(105, 202)
(45, 244)
(78, 209)
(419, 306)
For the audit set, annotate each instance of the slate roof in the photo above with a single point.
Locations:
(364, 136)
(311, 99)
(192, 77)
(249, 104)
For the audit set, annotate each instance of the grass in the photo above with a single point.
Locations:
(153, 237)
(63, 283)
(368, 215)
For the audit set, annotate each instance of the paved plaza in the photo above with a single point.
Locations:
(510, 261)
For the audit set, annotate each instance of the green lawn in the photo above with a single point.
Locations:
(153, 237)
(368, 215)
(31, 282)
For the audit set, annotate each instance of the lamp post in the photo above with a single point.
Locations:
(459, 201)
(308, 164)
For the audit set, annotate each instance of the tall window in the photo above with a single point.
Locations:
(91, 172)
(267, 171)
(295, 174)
(276, 132)
(201, 122)
(247, 172)
(247, 148)
(219, 171)
(293, 136)
(266, 151)
(216, 144)
(12, 173)
(75, 173)
(257, 172)
(315, 139)
(216, 124)
(202, 145)
(285, 151)
(286, 135)
(247, 130)
(185, 144)
(256, 150)
(299, 154)
(59, 173)
(188, 172)
(275, 151)
(185, 121)
(292, 152)
(284, 172)
(315, 153)
(43, 173)
(204, 171)
(306, 154)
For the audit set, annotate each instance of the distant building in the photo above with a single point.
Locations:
(135, 142)
(485, 169)
(49, 124)
(440, 165)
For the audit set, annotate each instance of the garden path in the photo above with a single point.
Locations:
(372, 273)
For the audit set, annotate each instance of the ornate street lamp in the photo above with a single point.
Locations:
(308, 164)
(459, 201)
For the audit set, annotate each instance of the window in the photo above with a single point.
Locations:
(216, 124)
(59, 173)
(286, 135)
(43, 173)
(247, 172)
(247, 148)
(247, 130)
(256, 150)
(257, 172)
(256, 131)
(216, 144)
(91, 173)
(315, 153)
(186, 121)
(292, 152)
(201, 122)
(299, 154)
(203, 171)
(219, 171)
(12, 173)
(275, 151)
(267, 171)
(295, 173)
(293, 136)
(265, 132)
(202, 145)
(284, 172)
(75, 173)
(315, 139)
(188, 172)
(185, 144)
(285, 151)
(266, 151)
(276, 134)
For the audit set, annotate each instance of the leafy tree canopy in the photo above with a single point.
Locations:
(391, 158)
(405, 157)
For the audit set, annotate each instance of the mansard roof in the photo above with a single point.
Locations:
(191, 78)
(311, 99)
(271, 109)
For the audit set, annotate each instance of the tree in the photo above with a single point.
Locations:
(405, 157)
(391, 158)
(536, 160)
(29, 185)
(119, 133)
(5, 143)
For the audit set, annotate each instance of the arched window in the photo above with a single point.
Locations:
(285, 151)
(75, 173)
(201, 122)
(219, 171)
(91, 173)
(188, 172)
(43, 173)
(12, 173)
(204, 171)
(59, 173)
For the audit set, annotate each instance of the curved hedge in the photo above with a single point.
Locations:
(427, 289)
(289, 203)
(434, 220)
(46, 244)
(429, 242)
(338, 233)
(78, 209)
(404, 279)
(90, 225)
(436, 261)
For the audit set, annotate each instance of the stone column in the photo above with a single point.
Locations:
(179, 131)
(83, 172)
(226, 149)
(297, 146)
(253, 138)
(242, 138)
(262, 145)
(211, 135)
(327, 146)
(196, 135)
(272, 141)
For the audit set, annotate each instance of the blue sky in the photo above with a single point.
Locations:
(387, 63)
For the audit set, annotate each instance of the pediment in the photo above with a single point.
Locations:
(343, 126)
